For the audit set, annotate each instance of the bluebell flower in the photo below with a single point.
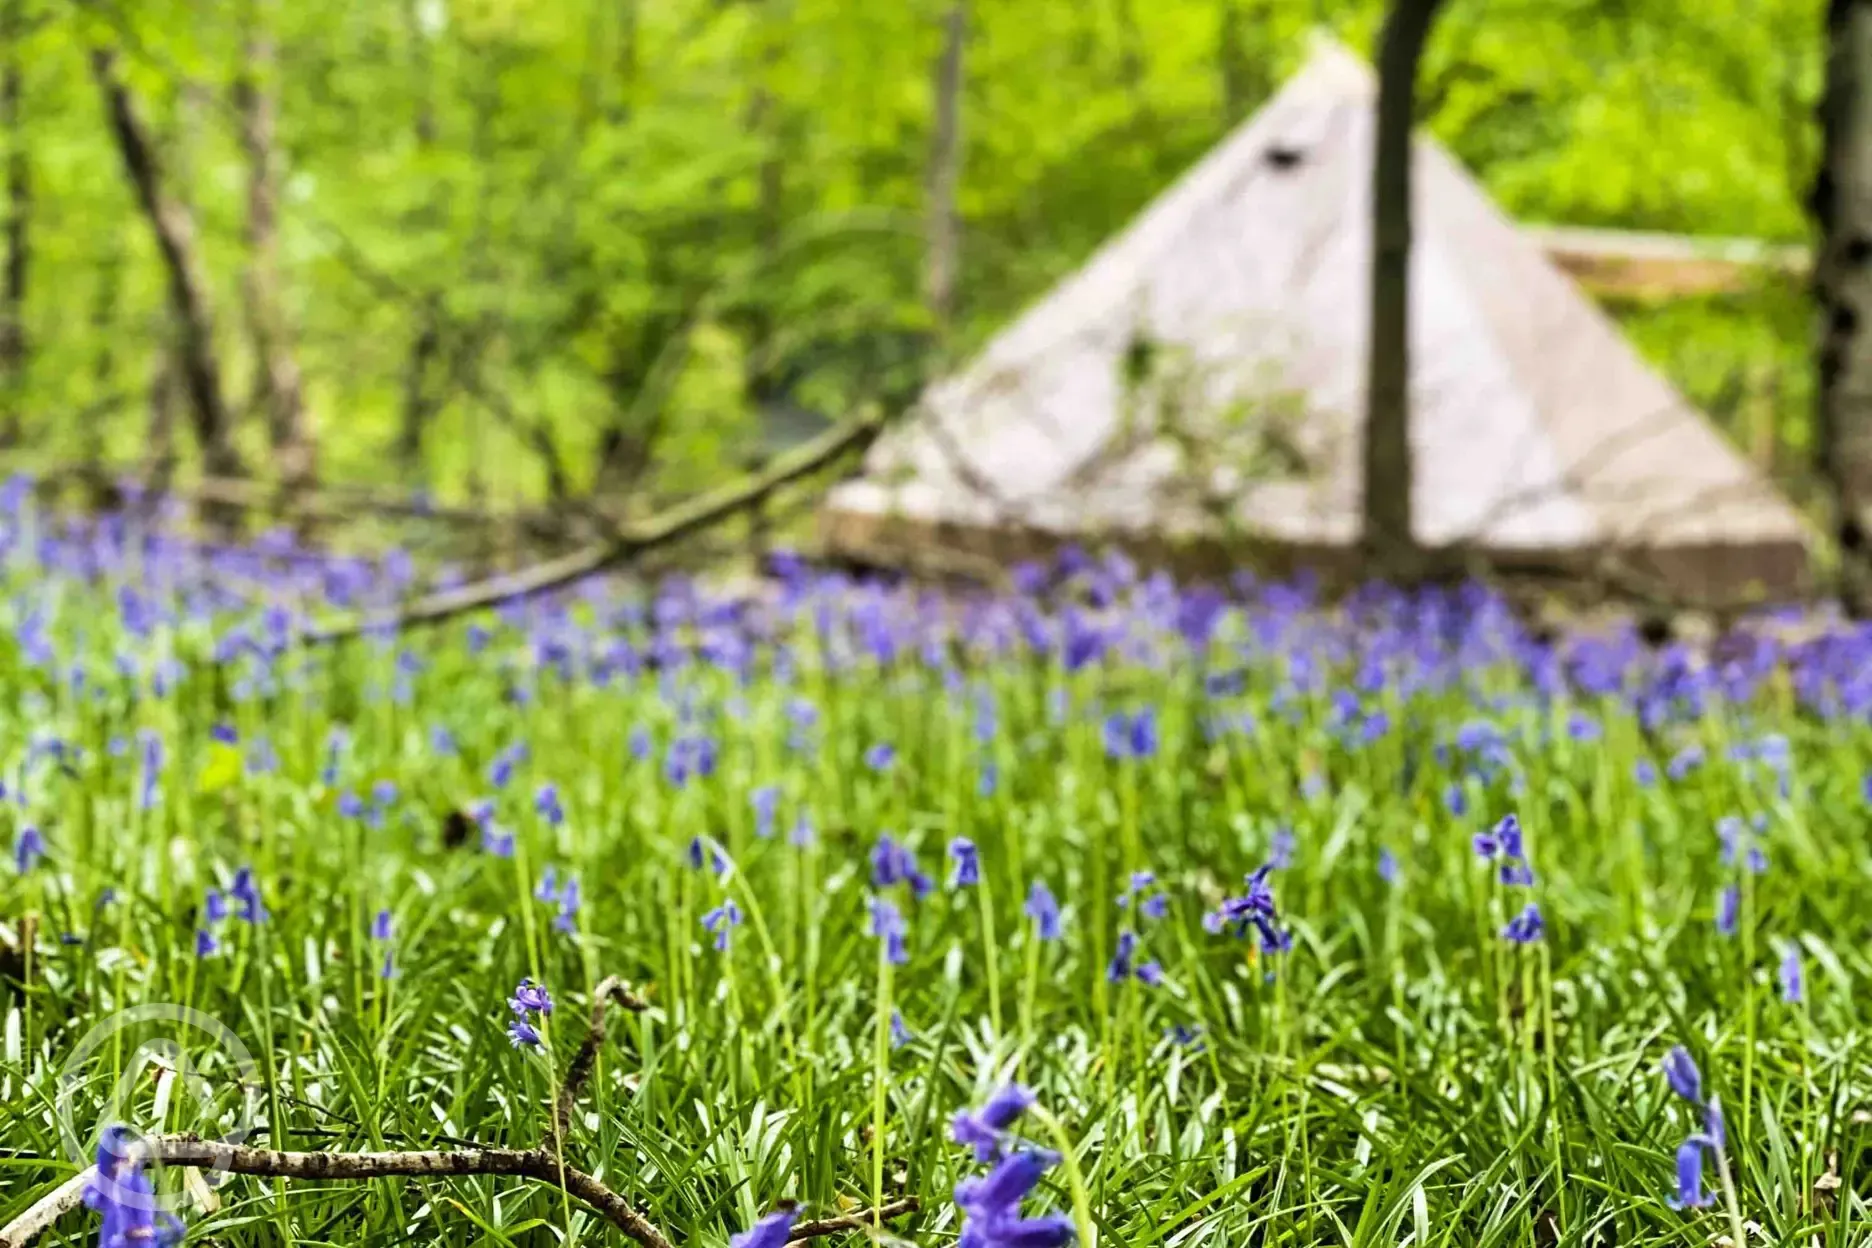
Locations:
(766, 802)
(548, 888)
(704, 852)
(442, 741)
(1044, 910)
(887, 925)
(150, 772)
(567, 919)
(894, 863)
(991, 1206)
(496, 840)
(121, 1192)
(207, 944)
(1644, 773)
(1690, 1193)
(1681, 1073)
(641, 744)
(721, 922)
(1388, 869)
(1120, 967)
(28, 848)
(967, 863)
(880, 756)
(1256, 909)
(381, 926)
(350, 805)
(1455, 800)
(1791, 975)
(1184, 1035)
(1684, 762)
(1150, 974)
(246, 891)
(802, 834)
(225, 733)
(1526, 927)
(985, 1130)
(1729, 910)
(1281, 848)
(546, 803)
(529, 997)
(522, 1034)
(987, 780)
(900, 1031)
(770, 1232)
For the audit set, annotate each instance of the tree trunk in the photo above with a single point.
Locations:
(421, 400)
(278, 389)
(1389, 541)
(1842, 209)
(17, 212)
(188, 286)
(945, 174)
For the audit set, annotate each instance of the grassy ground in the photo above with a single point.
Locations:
(1404, 1073)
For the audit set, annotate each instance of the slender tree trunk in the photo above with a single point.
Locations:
(420, 397)
(188, 286)
(945, 174)
(1390, 543)
(18, 215)
(1842, 209)
(278, 388)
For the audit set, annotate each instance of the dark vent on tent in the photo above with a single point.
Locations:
(1284, 155)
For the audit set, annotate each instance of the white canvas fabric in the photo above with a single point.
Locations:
(1202, 377)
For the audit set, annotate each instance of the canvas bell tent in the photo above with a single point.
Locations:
(1195, 391)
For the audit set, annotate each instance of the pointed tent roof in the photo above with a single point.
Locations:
(1198, 385)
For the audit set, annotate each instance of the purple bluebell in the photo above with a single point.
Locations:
(1184, 1035)
(381, 926)
(1123, 958)
(1690, 1193)
(1791, 975)
(120, 1191)
(1044, 910)
(721, 922)
(246, 891)
(1455, 800)
(1644, 773)
(529, 997)
(547, 890)
(900, 1033)
(766, 803)
(225, 733)
(887, 925)
(28, 848)
(894, 863)
(991, 1206)
(1254, 908)
(1150, 974)
(1526, 927)
(771, 1231)
(1681, 1073)
(1729, 910)
(966, 863)
(566, 920)
(207, 944)
(801, 837)
(149, 774)
(522, 1034)
(350, 805)
(985, 1129)
(546, 803)
(496, 839)
(706, 853)
(880, 756)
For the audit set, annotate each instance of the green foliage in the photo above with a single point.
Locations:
(577, 187)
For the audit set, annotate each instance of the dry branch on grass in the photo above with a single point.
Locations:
(545, 1164)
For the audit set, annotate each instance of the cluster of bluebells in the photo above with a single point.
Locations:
(248, 908)
(529, 1001)
(1151, 903)
(383, 796)
(1254, 908)
(1681, 1073)
(1505, 846)
(991, 1202)
(893, 862)
(563, 896)
(120, 1191)
(720, 923)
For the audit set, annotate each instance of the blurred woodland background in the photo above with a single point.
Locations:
(510, 253)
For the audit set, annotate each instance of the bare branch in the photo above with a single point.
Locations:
(579, 1070)
(864, 1219)
(625, 544)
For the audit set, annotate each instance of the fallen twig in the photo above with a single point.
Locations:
(627, 543)
(531, 1163)
(579, 1069)
(861, 1220)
